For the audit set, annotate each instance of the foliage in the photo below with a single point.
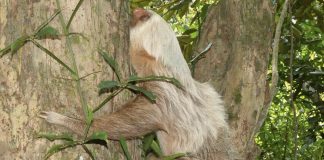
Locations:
(276, 138)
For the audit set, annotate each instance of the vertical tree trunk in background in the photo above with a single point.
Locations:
(31, 81)
(241, 33)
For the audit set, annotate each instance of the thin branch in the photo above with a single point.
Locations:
(274, 79)
(89, 75)
(291, 79)
(192, 63)
(112, 95)
(81, 78)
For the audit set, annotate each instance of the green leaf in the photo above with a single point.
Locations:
(147, 141)
(197, 15)
(169, 15)
(90, 153)
(89, 117)
(183, 10)
(148, 94)
(44, 24)
(73, 14)
(189, 31)
(16, 45)
(195, 4)
(174, 156)
(156, 148)
(109, 86)
(101, 135)
(53, 136)
(54, 57)
(135, 79)
(47, 32)
(180, 5)
(111, 62)
(5, 51)
(124, 146)
(59, 147)
(204, 11)
(185, 39)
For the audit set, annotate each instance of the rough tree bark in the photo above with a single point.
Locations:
(241, 33)
(31, 81)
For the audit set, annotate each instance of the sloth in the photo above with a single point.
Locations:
(183, 119)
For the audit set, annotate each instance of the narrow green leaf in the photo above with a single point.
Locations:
(53, 136)
(185, 39)
(135, 79)
(47, 32)
(108, 86)
(44, 24)
(169, 15)
(101, 135)
(197, 15)
(112, 95)
(59, 147)
(174, 156)
(183, 10)
(89, 117)
(124, 146)
(195, 4)
(180, 5)
(5, 51)
(147, 141)
(156, 149)
(90, 153)
(111, 62)
(17, 44)
(204, 11)
(53, 56)
(73, 14)
(189, 31)
(148, 94)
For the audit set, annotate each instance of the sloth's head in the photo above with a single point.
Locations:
(149, 32)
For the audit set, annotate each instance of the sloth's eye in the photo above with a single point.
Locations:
(145, 17)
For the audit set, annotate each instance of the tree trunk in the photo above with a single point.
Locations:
(241, 33)
(31, 81)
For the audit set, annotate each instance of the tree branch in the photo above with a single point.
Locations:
(274, 79)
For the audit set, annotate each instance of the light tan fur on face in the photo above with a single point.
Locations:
(183, 119)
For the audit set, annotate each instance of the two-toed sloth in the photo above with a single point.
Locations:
(183, 119)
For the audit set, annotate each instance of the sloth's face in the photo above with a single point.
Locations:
(139, 16)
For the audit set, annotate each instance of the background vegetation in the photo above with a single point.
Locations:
(294, 127)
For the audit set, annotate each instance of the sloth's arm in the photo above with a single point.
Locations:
(135, 119)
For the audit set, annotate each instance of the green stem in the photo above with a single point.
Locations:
(53, 56)
(88, 151)
(74, 65)
(73, 14)
(47, 21)
(112, 95)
